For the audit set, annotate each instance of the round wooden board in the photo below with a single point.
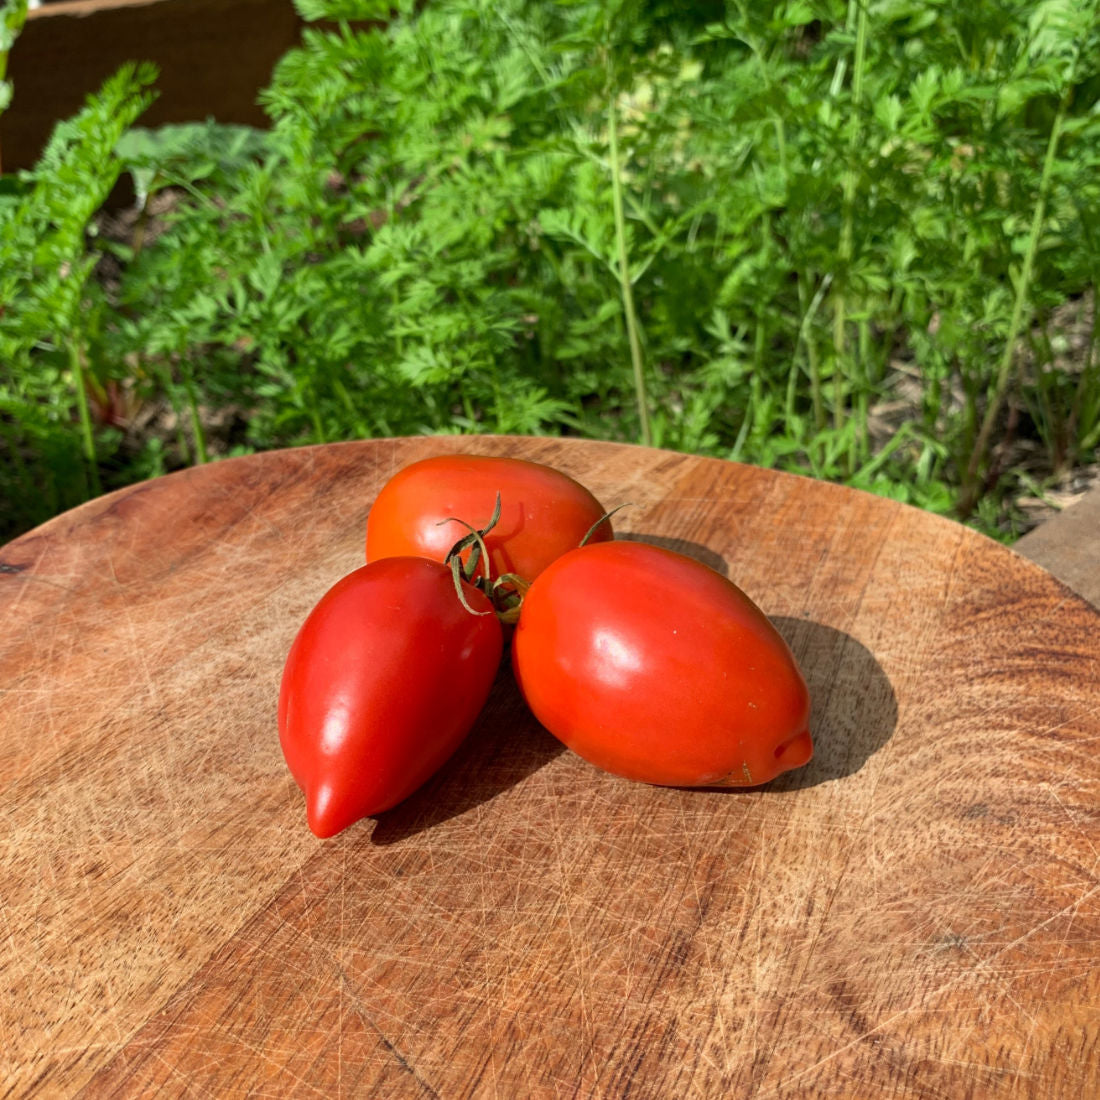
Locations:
(915, 914)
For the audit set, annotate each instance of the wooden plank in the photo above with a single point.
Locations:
(214, 57)
(86, 7)
(915, 914)
(1069, 546)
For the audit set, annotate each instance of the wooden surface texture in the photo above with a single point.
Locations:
(915, 914)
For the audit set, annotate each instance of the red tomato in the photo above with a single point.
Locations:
(544, 513)
(653, 666)
(384, 680)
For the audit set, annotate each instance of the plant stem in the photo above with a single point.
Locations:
(142, 224)
(76, 362)
(748, 421)
(197, 432)
(970, 487)
(395, 302)
(627, 290)
(315, 419)
(840, 315)
(813, 364)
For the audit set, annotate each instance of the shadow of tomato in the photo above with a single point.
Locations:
(854, 713)
(505, 747)
(854, 710)
(686, 547)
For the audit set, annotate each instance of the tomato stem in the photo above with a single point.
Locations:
(456, 573)
(507, 595)
(475, 543)
(507, 591)
(603, 519)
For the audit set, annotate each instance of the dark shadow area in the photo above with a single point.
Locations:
(689, 549)
(854, 713)
(505, 746)
(854, 710)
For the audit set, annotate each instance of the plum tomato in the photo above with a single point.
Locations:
(544, 513)
(653, 666)
(384, 680)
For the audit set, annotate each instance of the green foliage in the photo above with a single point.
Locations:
(187, 154)
(13, 14)
(53, 311)
(739, 227)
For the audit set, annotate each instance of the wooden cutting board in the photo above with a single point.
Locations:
(915, 914)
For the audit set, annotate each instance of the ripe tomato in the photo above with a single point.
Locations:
(653, 666)
(544, 513)
(384, 680)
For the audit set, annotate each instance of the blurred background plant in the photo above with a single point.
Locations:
(851, 238)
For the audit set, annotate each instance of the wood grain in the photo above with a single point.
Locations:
(916, 914)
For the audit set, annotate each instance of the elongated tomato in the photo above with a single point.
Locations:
(653, 666)
(544, 513)
(384, 680)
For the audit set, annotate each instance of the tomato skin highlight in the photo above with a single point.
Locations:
(382, 683)
(544, 513)
(652, 666)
